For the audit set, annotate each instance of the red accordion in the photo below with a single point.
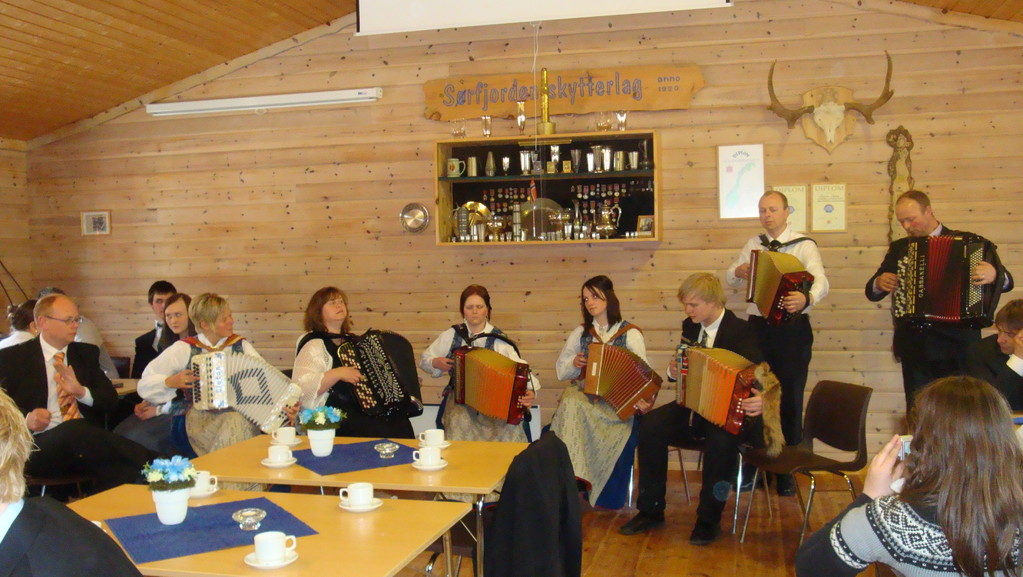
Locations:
(773, 275)
(934, 283)
(490, 382)
(620, 377)
(718, 379)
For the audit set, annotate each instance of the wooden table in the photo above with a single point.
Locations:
(473, 467)
(125, 386)
(378, 543)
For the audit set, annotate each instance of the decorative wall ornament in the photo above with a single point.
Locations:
(827, 111)
(900, 171)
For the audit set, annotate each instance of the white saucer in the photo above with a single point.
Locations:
(373, 506)
(289, 558)
(279, 464)
(443, 445)
(436, 467)
(293, 443)
(203, 494)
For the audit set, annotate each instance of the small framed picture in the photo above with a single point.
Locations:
(96, 222)
(645, 225)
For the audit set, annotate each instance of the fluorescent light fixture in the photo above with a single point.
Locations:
(391, 16)
(266, 102)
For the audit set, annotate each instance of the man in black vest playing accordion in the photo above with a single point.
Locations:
(711, 325)
(787, 345)
(929, 351)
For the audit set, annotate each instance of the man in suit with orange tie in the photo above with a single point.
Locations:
(62, 391)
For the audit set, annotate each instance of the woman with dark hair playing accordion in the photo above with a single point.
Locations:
(462, 422)
(600, 443)
(325, 377)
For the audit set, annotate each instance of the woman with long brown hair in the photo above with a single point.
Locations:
(953, 506)
(601, 444)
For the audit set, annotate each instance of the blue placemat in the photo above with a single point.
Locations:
(207, 528)
(352, 457)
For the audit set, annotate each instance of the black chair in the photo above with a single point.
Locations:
(687, 446)
(837, 416)
(123, 366)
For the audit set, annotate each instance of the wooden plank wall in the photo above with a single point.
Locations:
(14, 222)
(267, 208)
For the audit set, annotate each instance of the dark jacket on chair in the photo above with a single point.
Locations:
(537, 529)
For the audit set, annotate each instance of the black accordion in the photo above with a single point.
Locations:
(390, 383)
(935, 283)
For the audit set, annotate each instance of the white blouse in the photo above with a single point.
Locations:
(442, 345)
(174, 359)
(311, 363)
(566, 369)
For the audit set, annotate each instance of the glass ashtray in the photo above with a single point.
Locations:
(249, 519)
(386, 450)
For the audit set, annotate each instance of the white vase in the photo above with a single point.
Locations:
(321, 441)
(171, 506)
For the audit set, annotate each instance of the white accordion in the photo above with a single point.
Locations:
(249, 385)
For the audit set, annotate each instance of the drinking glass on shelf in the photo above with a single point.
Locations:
(486, 125)
(603, 121)
(505, 164)
(623, 117)
(520, 116)
(458, 128)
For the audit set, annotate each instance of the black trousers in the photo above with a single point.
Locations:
(78, 447)
(788, 349)
(929, 353)
(674, 423)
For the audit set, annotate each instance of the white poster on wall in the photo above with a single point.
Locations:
(740, 180)
(828, 207)
(797, 205)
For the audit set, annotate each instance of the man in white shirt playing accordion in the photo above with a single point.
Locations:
(787, 346)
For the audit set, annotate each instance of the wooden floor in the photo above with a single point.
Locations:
(769, 549)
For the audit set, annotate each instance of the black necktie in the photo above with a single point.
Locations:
(773, 246)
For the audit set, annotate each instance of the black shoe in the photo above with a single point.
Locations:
(785, 485)
(641, 523)
(704, 533)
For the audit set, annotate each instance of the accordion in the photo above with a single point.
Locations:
(249, 385)
(490, 382)
(389, 385)
(620, 377)
(773, 275)
(934, 283)
(718, 379)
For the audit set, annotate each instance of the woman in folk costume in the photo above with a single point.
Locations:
(600, 443)
(208, 430)
(326, 380)
(462, 422)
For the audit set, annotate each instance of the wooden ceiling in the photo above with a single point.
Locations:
(63, 61)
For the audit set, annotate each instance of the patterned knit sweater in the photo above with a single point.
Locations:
(887, 530)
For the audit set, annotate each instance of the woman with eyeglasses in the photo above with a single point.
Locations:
(600, 443)
(462, 422)
(952, 506)
(152, 424)
(325, 378)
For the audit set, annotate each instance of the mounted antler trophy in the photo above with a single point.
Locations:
(828, 110)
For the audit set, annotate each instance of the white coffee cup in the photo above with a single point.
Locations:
(279, 453)
(284, 435)
(432, 437)
(204, 482)
(272, 546)
(357, 495)
(427, 456)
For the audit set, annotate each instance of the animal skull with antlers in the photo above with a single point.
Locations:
(829, 108)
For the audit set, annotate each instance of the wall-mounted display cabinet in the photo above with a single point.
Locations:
(562, 188)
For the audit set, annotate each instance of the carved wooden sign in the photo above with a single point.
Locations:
(569, 91)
